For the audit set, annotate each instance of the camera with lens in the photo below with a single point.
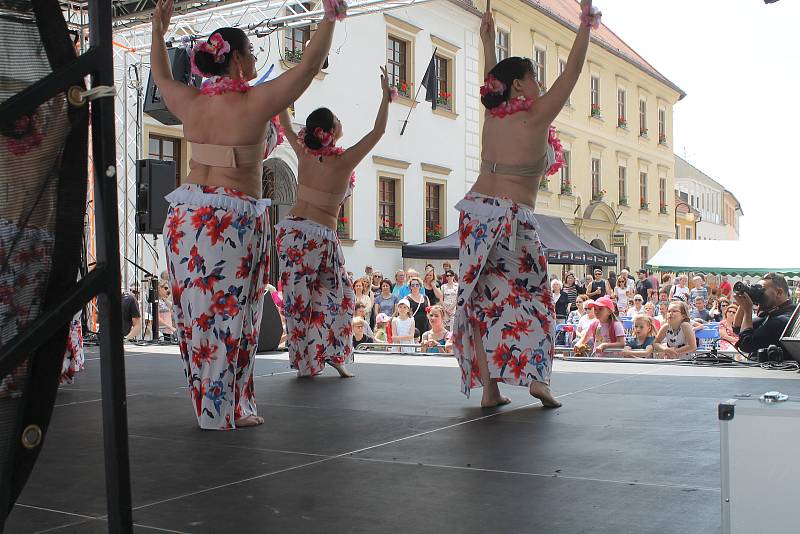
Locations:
(773, 354)
(756, 291)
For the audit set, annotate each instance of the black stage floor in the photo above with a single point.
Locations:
(397, 449)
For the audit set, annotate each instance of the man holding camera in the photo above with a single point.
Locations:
(771, 293)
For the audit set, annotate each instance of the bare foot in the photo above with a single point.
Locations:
(250, 420)
(541, 391)
(343, 372)
(492, 397)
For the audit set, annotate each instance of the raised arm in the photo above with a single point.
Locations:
(550, 104)
(359, 151)
(280, 93)
(177, 95)
(291, 135)
(488, 35)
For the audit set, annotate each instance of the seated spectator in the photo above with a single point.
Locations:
(663, 306)
(435, 339)
(727, 337)
(131, 317)
(575, 315)
(714, 311)
(361, 311)
(699, 312)
(359, 335)
(638, 306)
(650, 311)
(663, 294)
(680, 290)
(381, 327)
(676, 337)
(400, 289)
(605, 332)
(644, 335)
(700, 288)
(586, 319)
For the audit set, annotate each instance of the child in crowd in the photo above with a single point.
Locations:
(382, 328)
(644, 335)
(361, 311)
(403, 326)
(650, 311)
(359, 335)
(435, 339)
(605, 332)
(676, 337)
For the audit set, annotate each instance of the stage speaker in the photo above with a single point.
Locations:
(154, 180)
(181, 71)
(269, 337)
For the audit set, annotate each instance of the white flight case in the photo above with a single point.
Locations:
(759, 466)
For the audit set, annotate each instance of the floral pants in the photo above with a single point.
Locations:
(503, 291)
(217, 242)
(318, 296)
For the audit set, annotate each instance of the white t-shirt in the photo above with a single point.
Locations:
(403, 327)
(678, 291)
(622, 297)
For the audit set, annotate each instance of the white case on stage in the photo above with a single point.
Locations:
(759, 466)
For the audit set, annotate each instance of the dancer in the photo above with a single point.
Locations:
(317, 291)
(217, 230)
(504, 326)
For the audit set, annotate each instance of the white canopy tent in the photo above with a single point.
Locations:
(729, 257)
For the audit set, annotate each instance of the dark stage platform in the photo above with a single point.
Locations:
(635, 449)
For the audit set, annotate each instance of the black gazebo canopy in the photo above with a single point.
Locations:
(560, 244)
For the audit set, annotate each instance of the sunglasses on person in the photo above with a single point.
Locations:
(413, 284)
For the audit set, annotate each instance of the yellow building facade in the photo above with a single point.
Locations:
(616, 131)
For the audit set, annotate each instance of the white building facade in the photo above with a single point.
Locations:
(705, 195)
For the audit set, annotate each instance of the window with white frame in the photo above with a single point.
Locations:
(502, 42)
(397, 64)
(389, 224)
(595, 96)
(540, 57)
(566, 178)
(597, 190)
(643, 118)
(444, 95)
(623, 185)
(622, 116)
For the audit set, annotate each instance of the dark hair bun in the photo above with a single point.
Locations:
(319, 118)
(492, 100)
(206, 64)
(506, 71)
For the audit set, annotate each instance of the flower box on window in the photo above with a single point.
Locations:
(404, 89)
(662, 140)
(566, 188)
(643, 132)
(623, 201)
(596, 110)
(622, 123)
(644, 204)
(341, 228)
(662, 209)
(390, 232)
(443, 99)
(598, 196)
(293, 56)
(433, 233)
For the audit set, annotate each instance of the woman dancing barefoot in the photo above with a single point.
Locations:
(504, 325)
(317, 291)
(217, 230)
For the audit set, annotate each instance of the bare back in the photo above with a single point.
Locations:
(518, 139)
(229, 119)
(322, 187)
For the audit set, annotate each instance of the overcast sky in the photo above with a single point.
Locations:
(738, 61)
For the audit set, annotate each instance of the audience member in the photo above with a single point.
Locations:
(418, 302)
(381, 326)
(431, 287)
(775, 310)
(131, 317)
(560, 301)
(449, 297)
(359, 332)
(437, 337)
(621, 292)
(385, 300)
(663, 307)
(363, 296)
(375, 282)
(599, 287)
(571, 289)
(644, 286)
(165, 325)
(403, 325)
(630, 281)
(727, 337)
(676, 337)
(400, 289)
(605, 332)
(650, 311)
(699, 312)
(361, 311)
(644, 335)
(666, 287)
(638, 306)
(699, 290)
(579, 311)
(681, 289)
(725, 286)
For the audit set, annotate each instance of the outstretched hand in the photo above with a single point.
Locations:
(488, 31)
(162, 16)
(387, 91)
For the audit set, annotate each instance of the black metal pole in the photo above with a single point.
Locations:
(112, 361)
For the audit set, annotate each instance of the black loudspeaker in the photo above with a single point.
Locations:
(154, 180)
(182, 72)
(269, 337)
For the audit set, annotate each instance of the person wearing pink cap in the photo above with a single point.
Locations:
(605, 332)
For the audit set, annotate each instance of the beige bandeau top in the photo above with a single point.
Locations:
(244, 162)
(328, 203)
(527, 171)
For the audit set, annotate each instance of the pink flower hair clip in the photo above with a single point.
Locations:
(216, 46)
(591, 17)
(492, 86)
(335, 9)
(392, 94)
(325, 138)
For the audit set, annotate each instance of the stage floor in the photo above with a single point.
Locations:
(634, 449)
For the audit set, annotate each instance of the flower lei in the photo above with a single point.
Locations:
(216, 46)
(591, 17)
(511, 106)
(328, 148)
(217, 85)
(555, 142)
(335, 9)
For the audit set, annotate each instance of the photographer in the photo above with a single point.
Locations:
(771, 293)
